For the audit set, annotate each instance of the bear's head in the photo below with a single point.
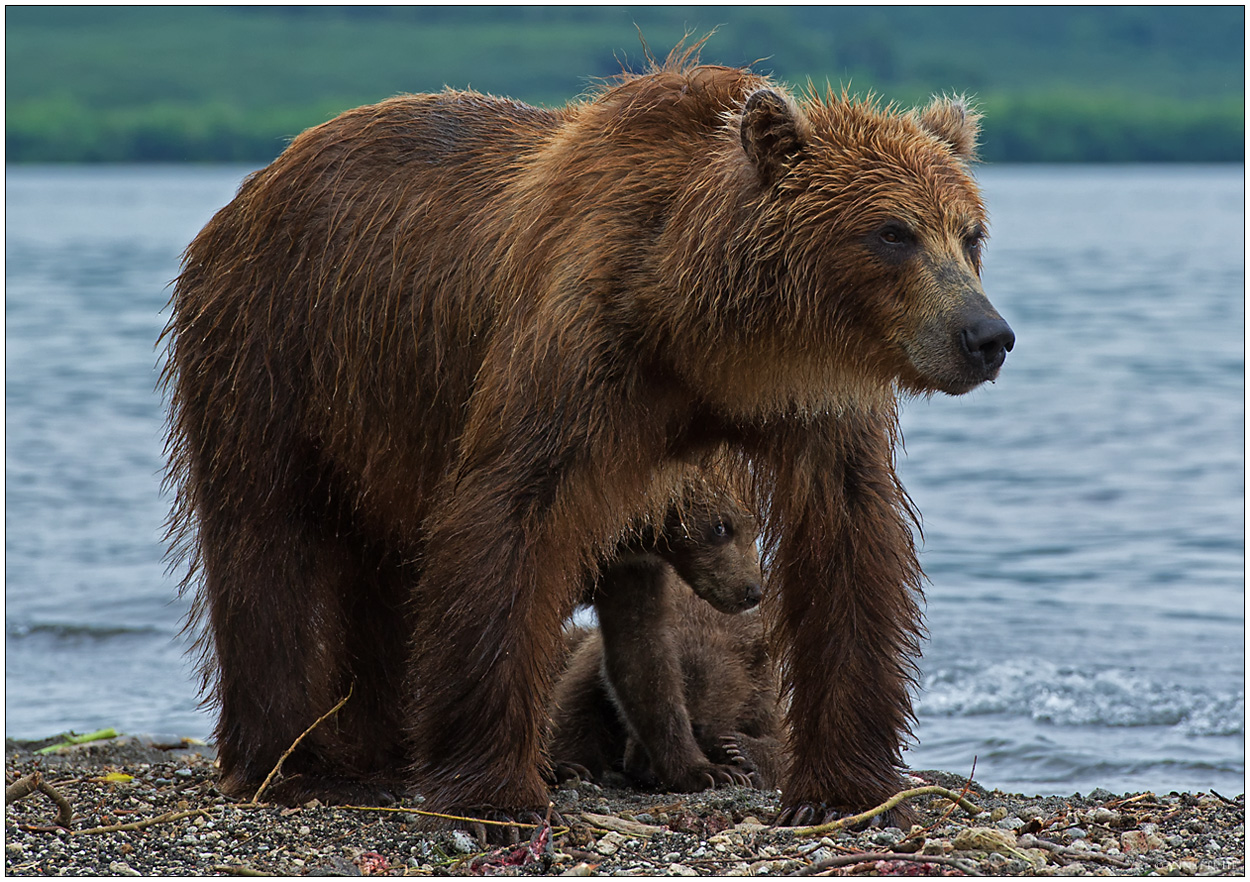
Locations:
(877, 227)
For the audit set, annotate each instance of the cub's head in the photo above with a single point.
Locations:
(878, 229)
(712, 547)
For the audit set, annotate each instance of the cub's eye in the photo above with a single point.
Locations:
(721, 529)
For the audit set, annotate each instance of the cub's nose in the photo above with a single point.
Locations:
(986, 343)
(753, 595)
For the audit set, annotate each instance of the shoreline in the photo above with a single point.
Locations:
(164, 789)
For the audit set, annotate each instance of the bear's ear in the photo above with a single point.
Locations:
(954, 121)
(773, 132)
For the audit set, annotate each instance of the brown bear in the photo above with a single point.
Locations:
(673, 689)
(425, 365)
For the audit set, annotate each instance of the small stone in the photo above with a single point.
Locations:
(998, 814)
(462, 842)
(183, 773)
(305, 830)
(1139, 841)
(610, 843)
(121, 868)
(1195, 825)
(1105, 816)
(886, 837)
(681, 870)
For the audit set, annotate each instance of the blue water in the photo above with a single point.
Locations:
(1083, 517)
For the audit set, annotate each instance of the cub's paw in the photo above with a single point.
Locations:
(738, 755)
(706, 776)
(562, 771)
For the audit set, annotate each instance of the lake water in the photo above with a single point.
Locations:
(1083, 517)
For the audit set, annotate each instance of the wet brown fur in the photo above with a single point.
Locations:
(426, 364)
(674, 689)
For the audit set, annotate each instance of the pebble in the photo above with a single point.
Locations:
(1105, 816)
(1139, 841)
(610, 843)
(461, 842)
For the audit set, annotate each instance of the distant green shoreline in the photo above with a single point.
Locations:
(235, 84)
(1040, 131)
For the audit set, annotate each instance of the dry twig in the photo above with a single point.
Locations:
(294, 744)
(24, 787)
(864, 817)
(166, 818)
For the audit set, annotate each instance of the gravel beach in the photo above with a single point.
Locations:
(144, 805)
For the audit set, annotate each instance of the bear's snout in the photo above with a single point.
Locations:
(986, 343)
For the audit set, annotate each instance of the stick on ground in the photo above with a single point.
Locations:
(294, 744)
(24, 787)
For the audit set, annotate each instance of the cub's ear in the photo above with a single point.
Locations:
(954, 121)
(774, 131)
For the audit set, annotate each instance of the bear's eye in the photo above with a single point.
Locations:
(972, 244)
(895, 235)
(721, 529)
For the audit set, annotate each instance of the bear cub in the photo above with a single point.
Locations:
(675, 688)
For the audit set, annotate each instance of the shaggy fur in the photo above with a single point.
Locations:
(426, 365)
(671, 690)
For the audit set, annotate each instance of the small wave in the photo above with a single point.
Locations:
(62, 631)
(1049, 693)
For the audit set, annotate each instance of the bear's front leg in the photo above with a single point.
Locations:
(488, 635)
(847, 586)
(530, 507)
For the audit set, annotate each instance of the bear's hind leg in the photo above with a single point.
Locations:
(283, 635)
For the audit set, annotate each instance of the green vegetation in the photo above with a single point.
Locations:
(144, 84)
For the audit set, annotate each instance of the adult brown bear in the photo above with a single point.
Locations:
(428, 362)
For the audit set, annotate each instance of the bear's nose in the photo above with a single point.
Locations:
(753, 595)
(986, 342)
